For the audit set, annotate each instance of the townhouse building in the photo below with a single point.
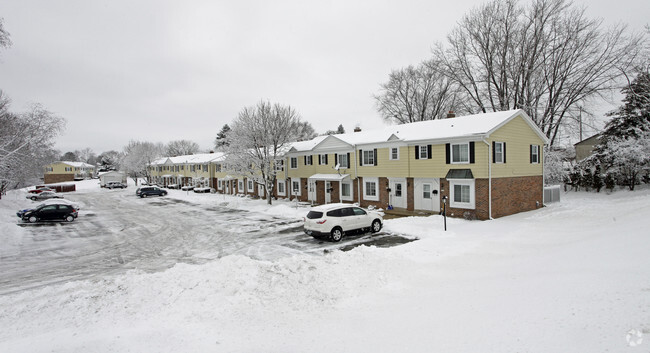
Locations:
(201, 170)
(58, 172)
(479, 166)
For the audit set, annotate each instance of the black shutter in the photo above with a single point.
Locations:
(336, 159)
(448, 153)
(305, 160)
(428, 151)
(375, 152)
(531, 153)
(417, 152)
(494, 149)
(471, 152)
(348, 162)
(326, 160)
(360, 157)
(539, 154)
(319, 160)
(504, 152)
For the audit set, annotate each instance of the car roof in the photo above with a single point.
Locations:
(331, 206)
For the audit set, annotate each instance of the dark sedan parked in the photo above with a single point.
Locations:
(150, 191)
(49, 212)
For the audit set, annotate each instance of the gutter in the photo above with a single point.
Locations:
(489, 177)
(356, 174)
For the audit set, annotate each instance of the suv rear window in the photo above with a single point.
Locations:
(314, 214)
(335, 213)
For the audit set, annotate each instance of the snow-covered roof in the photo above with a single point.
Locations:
(307, 145)
(200, 158)
(78, 164)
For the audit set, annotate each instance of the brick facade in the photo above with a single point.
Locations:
(57, 178)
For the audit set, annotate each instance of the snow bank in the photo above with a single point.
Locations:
(572, 277)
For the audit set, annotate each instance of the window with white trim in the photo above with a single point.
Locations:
(219, 184)
(295, 187)
(534, 154)
(424, 152)
(498, 152)
(394, 153)
(343, 160)
(460, 153)
(368, 157)
(309, 160)
(293, 161)
(462, 193)
(251, 186)
(346, 190)
(322, 159)
(371, 189)
(281, 188)
(240, 186)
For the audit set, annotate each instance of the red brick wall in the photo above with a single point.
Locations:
(57, 178)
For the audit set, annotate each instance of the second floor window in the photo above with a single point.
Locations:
(394, 153)
(369, 157)
(342, 160)
(534, 154)
(460, 153)
(294, 163)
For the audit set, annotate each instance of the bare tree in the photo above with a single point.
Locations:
(181, 148)
(304, 131)
(138, 156)
(416, 94)
(5, 42)
(547, 58)
(26, 143)
(259, 138)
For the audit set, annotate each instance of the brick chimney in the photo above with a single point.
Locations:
(357, 129)
(451, 114)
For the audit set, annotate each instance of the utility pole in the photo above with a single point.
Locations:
(580, 122)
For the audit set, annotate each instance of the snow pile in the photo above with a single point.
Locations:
(572, 277)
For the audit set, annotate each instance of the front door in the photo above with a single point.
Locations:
(312, 190)
(427, 194)
(398, 193)
(328, 192)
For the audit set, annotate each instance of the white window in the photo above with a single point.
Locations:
(346, 191)
(462, 193)
(295, 187)
(499, 152)
(534, 154)
(294, 163)
(424, 152)
(217, 168)
(343, 160)
(281, 188)
(309, 160)
(426, 191)
(205, 168)
(460, 153)
(240, 186)
(251, 186)
(219, 184)
(322, 159)
(394, 153)
(368, 158)
(279, 165)
(370, 189)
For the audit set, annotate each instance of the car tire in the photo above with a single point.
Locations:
(143, 195)
(69, 218)
(376, 226)
(164, 194)
(32, 219)
(34, 198)
(336, 234)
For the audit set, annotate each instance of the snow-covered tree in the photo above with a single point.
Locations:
(26, 143)
(110, 160)
(628, 157)
(181, 148)
(416, 94)
(220, 141)
(5, 42)
(305, 131)
(634, 114)
(138, 156)
(69, 157)
(555, 166)
(260, 136)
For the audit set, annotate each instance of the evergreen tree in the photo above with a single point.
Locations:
(633, 114)
(597, 182)
(220, 142)
(609, 182)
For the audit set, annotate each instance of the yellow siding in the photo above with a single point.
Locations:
(59, 168)
(385, 166)
(518, 136)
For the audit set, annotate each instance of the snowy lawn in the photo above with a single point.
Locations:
(572, 277)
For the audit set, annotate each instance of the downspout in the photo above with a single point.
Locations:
(356, 174)
(489, 177)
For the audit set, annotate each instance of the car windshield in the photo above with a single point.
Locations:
(314, 214)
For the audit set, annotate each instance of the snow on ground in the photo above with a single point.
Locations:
(571, 277)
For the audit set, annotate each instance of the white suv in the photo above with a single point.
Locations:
(334, 220)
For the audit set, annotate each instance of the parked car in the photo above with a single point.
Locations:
(49, 212)
(336, 220)
(150, 191)
(44, 196)
(187, 187)
(39, 190)
(203, 189)
(174, 186)
(115, 185)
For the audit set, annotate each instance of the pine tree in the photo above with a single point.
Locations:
(221, 141)
(597, 180)
(634, 113)
(609, 182)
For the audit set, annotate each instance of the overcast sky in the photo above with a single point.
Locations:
(164, 70)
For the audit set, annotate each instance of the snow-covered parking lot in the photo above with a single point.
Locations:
(117, 231)
(571, 277)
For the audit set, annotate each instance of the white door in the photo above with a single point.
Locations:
(427, 194)
(328, 193)
(398, 193)
(260, 190)
(311, 195)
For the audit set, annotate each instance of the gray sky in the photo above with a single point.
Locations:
(164, 70)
